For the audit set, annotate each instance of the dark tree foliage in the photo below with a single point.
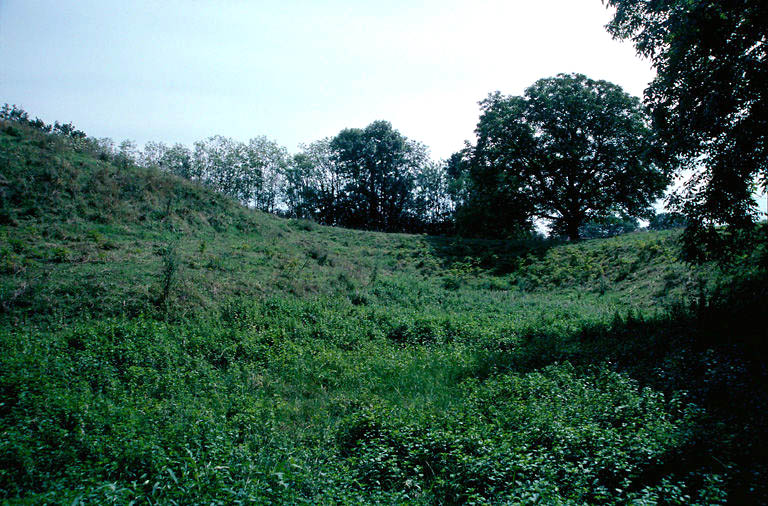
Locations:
(607, 226)
(301, 196)
(490, 176)
(569, 151)
(457, 171)
(314, 184)
(379, 166)
(372, 178)
(709, 100)
(667, 221)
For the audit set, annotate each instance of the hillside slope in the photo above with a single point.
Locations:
(161, 343)
(100, 235)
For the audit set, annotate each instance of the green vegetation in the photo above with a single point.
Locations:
(159, 343)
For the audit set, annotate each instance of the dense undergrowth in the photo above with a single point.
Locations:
(159, 343)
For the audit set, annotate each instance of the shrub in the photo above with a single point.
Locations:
(168, 273)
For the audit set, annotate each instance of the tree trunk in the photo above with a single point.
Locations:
(572, 229)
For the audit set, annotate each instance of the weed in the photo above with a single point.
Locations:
(215, 263)
(60, 254)
(168, 273)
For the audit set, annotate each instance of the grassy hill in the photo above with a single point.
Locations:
(160, 343)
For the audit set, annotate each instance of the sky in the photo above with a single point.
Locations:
(294, 71)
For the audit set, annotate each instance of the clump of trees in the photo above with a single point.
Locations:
(250, 172)
(667, 221)
(575, 152)
(372, 178)
(608, 226)
(15, 114)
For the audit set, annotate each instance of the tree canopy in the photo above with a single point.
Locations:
(709, 100)
(379, 166)
(570, 150)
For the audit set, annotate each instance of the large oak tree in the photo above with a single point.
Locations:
(570, 150)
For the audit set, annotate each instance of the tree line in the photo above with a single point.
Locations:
(573, 152)
(372, 178)
(578, 154)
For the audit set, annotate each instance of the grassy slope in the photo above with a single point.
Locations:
(161, 342)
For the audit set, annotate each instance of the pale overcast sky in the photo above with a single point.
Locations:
(295, 71)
